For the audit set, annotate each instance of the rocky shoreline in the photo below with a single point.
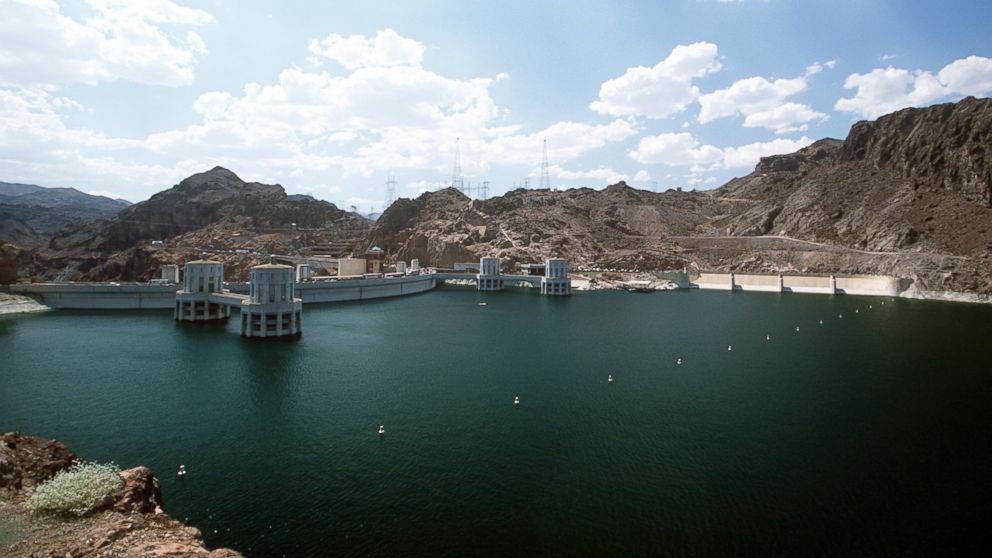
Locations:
(17, 304)
(131, 523)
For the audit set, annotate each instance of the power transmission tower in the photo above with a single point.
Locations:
(526, 182)
(484, 190)
(457, 180)
(545, 177)
(390, 190)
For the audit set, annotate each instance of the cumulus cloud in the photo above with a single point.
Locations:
(122, 40)
(387, 48)
(642, 176)
(302, 125)
(601, 174)
(683, 149)
(680, 149)
(748, 155)
(763, 102)
(882, 91)
(662, 90)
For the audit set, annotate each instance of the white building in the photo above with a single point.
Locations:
(170, 273)
(555, 280)
(351, 266)
(489, 278)
(415, 266)
(200, 279)
(302, 272)
(400, 267)
(271, 309)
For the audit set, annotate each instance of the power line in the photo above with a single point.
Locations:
(390, 190)
(545, 176)
(457, 180)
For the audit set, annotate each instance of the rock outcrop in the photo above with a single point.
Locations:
(10, 263)
(131, 524)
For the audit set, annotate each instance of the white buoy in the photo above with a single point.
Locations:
(382, 430)
(856, 310)
(821, 322)
(678, 361)
(182, 471)
(730, 347)
(482, 304)
(768, 338)
(516, 401)
(840, 315)
(609, 379)
(797, 328)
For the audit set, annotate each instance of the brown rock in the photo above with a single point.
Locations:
(140, 492)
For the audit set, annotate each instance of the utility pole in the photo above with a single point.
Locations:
(545, 177)
(457, 180)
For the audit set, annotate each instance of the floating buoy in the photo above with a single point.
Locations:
(182, 471)
(730, 348)
(482, 304)
(678, 361)
(516, 401)
(768, 338)
(856, 310)
(840, 315)
(821, 322)
(797, 328)
(382, 430)
(609, 379)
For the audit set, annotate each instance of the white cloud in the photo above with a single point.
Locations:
(763, 102)
(683, 149)
(387, 48)
(122, 40)
(303, 126)
(602, 174)
(642, 176)
(882, 91)
(662, 90)
(748, 155)
(789, 117)
(680, 149)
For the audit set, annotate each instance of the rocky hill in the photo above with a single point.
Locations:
(907, 195)
(30, 215)
(213, 211)
(130, 523)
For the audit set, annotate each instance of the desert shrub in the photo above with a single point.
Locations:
(77, 490)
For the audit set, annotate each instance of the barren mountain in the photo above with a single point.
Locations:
(907, 195)
(214, 212)
(30, 215)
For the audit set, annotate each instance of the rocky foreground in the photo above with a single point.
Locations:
(131, 524)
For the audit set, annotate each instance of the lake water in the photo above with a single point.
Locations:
(866, 434)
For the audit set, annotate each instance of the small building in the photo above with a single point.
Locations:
(170, 273)
(272, 309)
(302, 272)
(415, 266)
(401, 267)
(533, 269)
(351, 266)
(374, 259)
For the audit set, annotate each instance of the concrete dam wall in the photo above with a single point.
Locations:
(143, 296)
(878, 285)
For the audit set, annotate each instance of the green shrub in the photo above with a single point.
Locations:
(77, 490)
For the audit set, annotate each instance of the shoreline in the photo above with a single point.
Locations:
(19, 304)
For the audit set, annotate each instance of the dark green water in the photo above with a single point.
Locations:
(867, 434)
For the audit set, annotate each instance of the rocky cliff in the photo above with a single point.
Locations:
(30, 215)
(906, 195)
(215, 212)
(131, 523)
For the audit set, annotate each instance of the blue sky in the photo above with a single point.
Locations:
(125, 98)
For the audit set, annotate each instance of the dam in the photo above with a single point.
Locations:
(871, 285)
